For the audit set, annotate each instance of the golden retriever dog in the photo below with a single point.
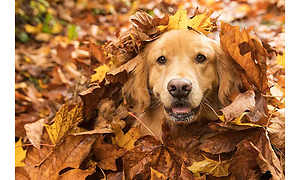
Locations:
(176, 76)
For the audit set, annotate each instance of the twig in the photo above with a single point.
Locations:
(49, 145)
(133, 115)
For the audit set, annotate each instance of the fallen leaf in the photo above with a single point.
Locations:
(253, 153)
(100, 73)
(247, 52)
(222, 142)
(65, 123)
(20, 154)
(243, 102)
(126, 140)
(34, 132)
(107, 154)
(121, 74)
(276, 131)
(75, 174)
(155, 175)
(209, 166)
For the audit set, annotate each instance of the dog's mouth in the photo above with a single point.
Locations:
(182, 112)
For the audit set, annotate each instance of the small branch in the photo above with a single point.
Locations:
(133, 115)
(49, 145)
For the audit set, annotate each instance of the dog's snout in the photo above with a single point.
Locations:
(179, 88)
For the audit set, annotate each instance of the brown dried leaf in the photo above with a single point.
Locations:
(107, 154)
(277, 131)
(75, 174)
(121, 74)
(155, 175)
(244, 101)
(223, 142)
(70, 153)
(92, 96)
(255, 157)
(247, 52)
(170, 158)
(34, 132)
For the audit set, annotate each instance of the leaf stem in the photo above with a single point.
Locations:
(133, 115)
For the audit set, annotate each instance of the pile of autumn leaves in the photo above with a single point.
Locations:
(94, 140)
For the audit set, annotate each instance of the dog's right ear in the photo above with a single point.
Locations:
(135, 89)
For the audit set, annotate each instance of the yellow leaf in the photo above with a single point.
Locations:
(33, 29)
(65, 123)
(281, 59)
(20, 154)
(100, 72)
(127, 141)
(201, 22)
(238, 121)
(209, 166)
(178, 21)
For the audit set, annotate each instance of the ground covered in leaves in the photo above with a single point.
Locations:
(72, 58)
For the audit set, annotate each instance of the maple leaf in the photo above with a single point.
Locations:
(20, 154)
(169, 159)
(69, 154)
(209, 166)
(200, 22)
(126, 140)
(65, 123)
(100, 72)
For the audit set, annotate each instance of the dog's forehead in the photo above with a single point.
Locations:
(183, 36)
(180, 42)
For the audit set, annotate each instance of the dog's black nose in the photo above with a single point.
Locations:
(179, 88)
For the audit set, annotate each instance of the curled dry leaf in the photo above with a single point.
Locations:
(254, 157)
(34, 132)
(121, 73)
(243, 102)
(276, 131)
(249, 54)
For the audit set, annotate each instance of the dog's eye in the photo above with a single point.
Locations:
(200, 58)
(161, 60)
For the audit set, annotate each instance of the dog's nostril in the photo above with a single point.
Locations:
(179, 88)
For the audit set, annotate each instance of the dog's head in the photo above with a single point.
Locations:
(180, 69)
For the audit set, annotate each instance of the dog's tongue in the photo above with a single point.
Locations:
(181, 109)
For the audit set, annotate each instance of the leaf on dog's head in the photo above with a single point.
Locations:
(200, 22)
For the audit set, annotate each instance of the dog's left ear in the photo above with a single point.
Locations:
(229, 77)
(135, 89)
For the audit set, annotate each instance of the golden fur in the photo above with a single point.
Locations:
(212, 81)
